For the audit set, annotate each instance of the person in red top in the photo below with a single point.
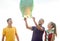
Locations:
(51, 32)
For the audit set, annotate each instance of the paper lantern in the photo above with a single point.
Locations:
(26, 7)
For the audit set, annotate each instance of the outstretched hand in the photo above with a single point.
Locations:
(25, 19)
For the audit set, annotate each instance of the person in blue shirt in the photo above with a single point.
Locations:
(38, 30)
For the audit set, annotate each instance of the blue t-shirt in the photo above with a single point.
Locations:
(37, 34)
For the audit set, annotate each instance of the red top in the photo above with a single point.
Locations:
(49, 36)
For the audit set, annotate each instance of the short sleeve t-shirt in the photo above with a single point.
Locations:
(9, 33)
(37, 34)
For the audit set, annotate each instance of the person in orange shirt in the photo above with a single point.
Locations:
(9, 32)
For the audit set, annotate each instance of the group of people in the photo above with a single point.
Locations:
(38, 30)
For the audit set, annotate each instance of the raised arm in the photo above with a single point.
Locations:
(27, 24)
(38, 26)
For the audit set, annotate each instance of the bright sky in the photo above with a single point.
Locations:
(49, 10)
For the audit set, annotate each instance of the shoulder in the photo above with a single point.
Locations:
(4, 28)
(34, 26)
(43, 28)
(46, 30)
(52, 30)
(13, 27)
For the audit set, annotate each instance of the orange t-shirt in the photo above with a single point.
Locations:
(9, 33)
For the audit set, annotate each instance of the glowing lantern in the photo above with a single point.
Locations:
(26, 7)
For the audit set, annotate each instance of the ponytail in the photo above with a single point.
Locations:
(54, 26)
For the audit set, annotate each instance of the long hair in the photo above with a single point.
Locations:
(54, 26)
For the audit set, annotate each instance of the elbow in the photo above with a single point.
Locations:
(27, 27)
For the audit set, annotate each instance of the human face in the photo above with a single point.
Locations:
(41, 22)
(49, 26)
(10, 22)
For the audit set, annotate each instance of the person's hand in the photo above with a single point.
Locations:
(33, 18)
(25, 19)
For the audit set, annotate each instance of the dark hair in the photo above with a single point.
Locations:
(8, 19)
(54, 26)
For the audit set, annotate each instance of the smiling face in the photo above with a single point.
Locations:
(41, 22)
(50, 26)
(9, 21)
